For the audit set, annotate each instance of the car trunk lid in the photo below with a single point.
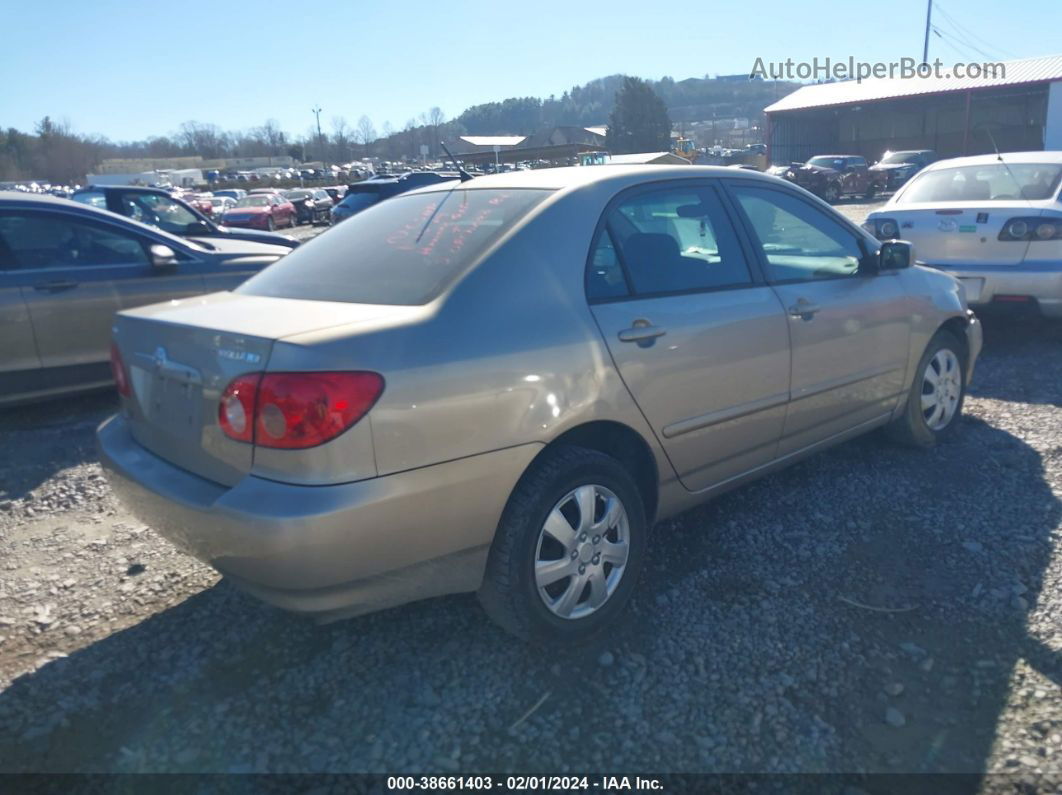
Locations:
(181, 355)
(960, 234)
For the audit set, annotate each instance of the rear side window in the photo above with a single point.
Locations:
(667, 241)
(405, 250)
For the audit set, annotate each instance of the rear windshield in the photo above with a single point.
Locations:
(405, 250)
(827, 162)
(356, 202)
(993, 182)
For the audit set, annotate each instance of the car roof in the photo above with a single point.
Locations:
(1013, 158)
(125, 188)
(574, 177)
(835, 156)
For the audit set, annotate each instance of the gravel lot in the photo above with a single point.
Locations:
(751, 645)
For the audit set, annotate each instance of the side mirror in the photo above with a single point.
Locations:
(162, 257)
(895, 255)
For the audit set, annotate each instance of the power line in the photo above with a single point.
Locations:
(971, 37)
(956, 43)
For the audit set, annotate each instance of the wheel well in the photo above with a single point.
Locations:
(625, 445)
(956, 326)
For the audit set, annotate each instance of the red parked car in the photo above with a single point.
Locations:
(261, 211)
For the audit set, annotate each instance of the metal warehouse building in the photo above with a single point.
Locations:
(1021, 107)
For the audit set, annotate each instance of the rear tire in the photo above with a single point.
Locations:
(934, 402)
(271, 224)
(533, 578)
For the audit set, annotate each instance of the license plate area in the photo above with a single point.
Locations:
(169, 401)
(974, 288)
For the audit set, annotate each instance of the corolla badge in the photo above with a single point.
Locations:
(947, 225)
(239, 356)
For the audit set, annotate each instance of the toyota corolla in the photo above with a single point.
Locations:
(501, 385)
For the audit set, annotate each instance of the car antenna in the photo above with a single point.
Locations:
(1006, 165)
(465, 176)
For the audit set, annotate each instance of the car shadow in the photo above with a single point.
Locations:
(1027, 354)
(47, 436)
(936, 561)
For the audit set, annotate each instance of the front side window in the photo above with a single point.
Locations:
(51, 240)
(799, 242)
(404, 251)
(669, 241)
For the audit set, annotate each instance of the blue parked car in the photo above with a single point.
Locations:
(365, 194)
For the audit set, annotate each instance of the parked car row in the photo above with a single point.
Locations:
(832, 177)
(321, 174)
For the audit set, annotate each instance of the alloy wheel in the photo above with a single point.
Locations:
(941, 389)
(582, 551)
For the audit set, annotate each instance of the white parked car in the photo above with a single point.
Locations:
(221, 204)
(993, 221)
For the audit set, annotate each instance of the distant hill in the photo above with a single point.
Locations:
(695, 99)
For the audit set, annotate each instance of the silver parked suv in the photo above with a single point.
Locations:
(500, 385)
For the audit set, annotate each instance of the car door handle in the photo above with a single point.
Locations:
(55, 287)
(638, 333)
(804, 309)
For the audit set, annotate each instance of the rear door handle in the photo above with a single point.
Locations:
(55, 287)
(804, 309)
(641, 333)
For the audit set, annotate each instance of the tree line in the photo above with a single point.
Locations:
(53, 151)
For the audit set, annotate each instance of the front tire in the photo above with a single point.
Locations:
(934, 403)
(831, 193)
(568, 550)
(271, 224)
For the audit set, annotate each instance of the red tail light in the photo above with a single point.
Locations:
(118, 372)
(296, 410)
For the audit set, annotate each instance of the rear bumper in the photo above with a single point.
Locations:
(329, 550)
(1040, 281)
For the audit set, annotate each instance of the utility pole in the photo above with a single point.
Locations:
(925, 44)
(316, 111)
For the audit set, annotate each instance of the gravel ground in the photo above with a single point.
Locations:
(757, 640)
